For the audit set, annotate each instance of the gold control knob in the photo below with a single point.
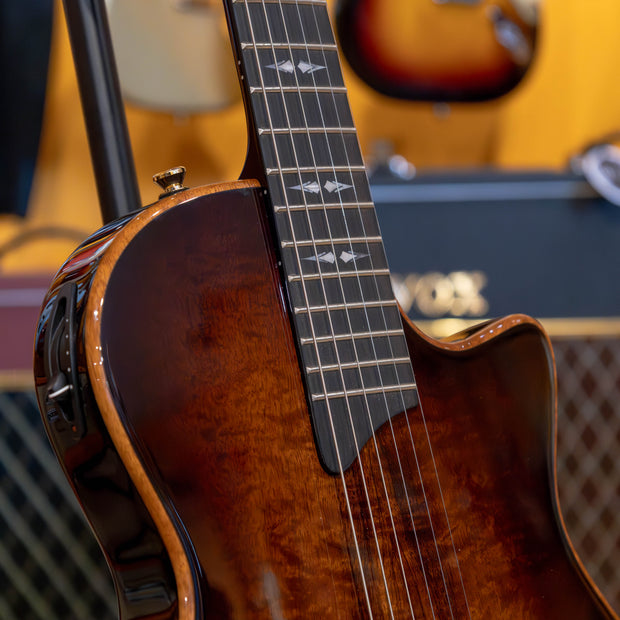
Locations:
(171, 181)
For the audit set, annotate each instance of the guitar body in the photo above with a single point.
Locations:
(194, 457)
(431, 50)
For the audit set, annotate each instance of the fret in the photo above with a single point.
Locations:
(336, 337)
(311, 263)
(298, 89)
(291, 68)
(272, 171)
(283, 22)
(349, 351)
(353, 318)
(306, 153)
(312, 242)
(306, 130)
(342, 288)
(319, 188)
(329, 223)
(368, 273)
(349, 288)
(278, 46)
(295, 108)
(378, 390)
(325, 206)
(365, 364)
(296, 2)
(368, 304)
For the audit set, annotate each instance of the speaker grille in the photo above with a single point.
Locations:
(50, 564)
(589, 453)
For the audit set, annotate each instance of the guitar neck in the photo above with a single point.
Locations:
(346, 320)
(296, 97)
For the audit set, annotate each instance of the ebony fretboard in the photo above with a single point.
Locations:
(354, 355)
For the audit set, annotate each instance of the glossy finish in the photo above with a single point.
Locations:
(135, 553)
(193, 366)
(438, 51)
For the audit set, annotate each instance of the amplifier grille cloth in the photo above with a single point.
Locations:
(51, 567)
(50, 564)
(589, 453)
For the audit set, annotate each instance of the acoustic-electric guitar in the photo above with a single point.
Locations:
(254, 429)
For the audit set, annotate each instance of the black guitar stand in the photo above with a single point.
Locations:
(104, 113)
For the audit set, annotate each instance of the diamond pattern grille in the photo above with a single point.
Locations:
(589, 453)
(51, 568)
(50, 565)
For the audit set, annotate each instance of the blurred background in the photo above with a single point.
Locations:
(489, 130)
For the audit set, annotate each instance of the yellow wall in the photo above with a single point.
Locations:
(570, 97)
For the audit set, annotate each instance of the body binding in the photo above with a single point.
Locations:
(192, 388)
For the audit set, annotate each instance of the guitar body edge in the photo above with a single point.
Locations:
(196, 421)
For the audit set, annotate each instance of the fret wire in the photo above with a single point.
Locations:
(353, 336)
(358, 364)
(326, 205)
(305, 130)
(298, 89)
(298, 2)
(315, 91)
(347, 306)
(285, 46)
(403, 387)
(342, 241)
(318, 169)
(341, 274)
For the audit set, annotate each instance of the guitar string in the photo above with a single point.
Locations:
(380, 377)
(408, 425)
(368, 321)
(334, 248)
(377, 357)
(423, 417)
(425, 497)
(305, 294)
(349, 410)
(348, 318)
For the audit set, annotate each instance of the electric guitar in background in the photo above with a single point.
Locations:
(253, 427)
(439, 50)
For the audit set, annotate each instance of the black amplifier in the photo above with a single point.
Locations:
(473, 245)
